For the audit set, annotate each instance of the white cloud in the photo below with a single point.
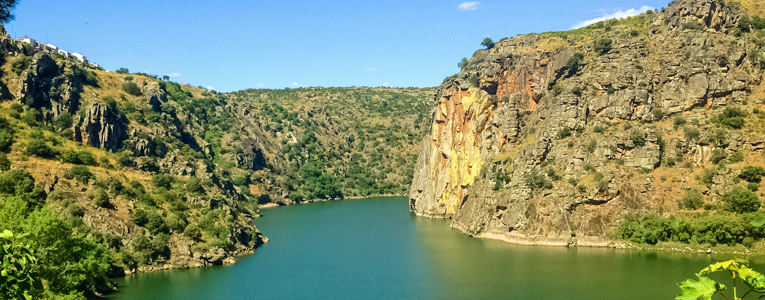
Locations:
(472, 5)
(210, 88)
(385, 84)
(174, 74)
(371, 69)
(619, 14)
(294, 84)
(260, 84)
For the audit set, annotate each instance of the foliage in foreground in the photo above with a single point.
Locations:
(705, 287)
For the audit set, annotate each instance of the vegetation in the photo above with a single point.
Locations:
(131, 88)
(698, 228)
(488, 43)
(741, 200)
(730, 117)
(705, 287)
(602, 46)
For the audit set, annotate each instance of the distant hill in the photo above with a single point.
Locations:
(148, 174)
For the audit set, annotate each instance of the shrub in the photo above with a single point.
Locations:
(6, 139)
(574, 64)
(564, 133)
(577, 91)
(5, 164)
(637, 137)
(592, 145)
(691, 133)
(62, 121)
(658, 114)
(193, 186)
(32, 116)
(80, 173)
(581, 188)
(162, 181)
(124, 160)
(718, 155)
(752, 174)
(708, 176)
(598, 129)
(736, 157)
(752, 186)
(692, 200)
(534, 180)
(730, 117)
(693, 26)
(39, 148)
(602, 46)
(131, 88)
(679, 121)
(122, 70)
(741, 200)
(193, 232)
(101, 198)
(20, 64)
(474, 81)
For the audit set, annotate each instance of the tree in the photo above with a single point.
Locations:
(488, 43)
(165, 77)
(741, 200)
(6, 6)
(463, 63)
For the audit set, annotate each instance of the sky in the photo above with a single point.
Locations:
(239, 44)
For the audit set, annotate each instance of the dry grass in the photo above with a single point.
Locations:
(753, 7)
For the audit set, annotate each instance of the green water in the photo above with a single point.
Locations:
(374, 249)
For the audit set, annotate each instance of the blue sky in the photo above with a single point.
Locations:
(234, 45)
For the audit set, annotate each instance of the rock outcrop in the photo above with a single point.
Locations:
(547, 136)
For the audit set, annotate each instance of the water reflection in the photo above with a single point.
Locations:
(374, 249)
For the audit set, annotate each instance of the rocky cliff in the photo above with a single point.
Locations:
(548, 136)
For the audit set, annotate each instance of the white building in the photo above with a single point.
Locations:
(51, 47)
(79, 57)
(63, 53)
(28, 40)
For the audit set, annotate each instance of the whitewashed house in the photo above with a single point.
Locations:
(28, 40)
(50, 47)
(63, 53)
(79, 57)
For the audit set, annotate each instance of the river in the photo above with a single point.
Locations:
(375, 249)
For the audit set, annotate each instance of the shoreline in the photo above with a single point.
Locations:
(600, 242)
(272, 204)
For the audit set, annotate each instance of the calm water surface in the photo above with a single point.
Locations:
(374, 249)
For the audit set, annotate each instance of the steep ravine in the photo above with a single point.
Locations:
(553, 138)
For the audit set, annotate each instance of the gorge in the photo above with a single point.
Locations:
(644, 132)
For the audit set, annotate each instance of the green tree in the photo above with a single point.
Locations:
(6, 6)
(131, 88)
(752, 174)
(488, 43)
(39, 148)
(741, 200)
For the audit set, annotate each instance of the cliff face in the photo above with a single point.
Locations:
(548, 135)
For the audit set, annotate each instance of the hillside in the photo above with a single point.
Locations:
(646, 129)
(120, 172)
